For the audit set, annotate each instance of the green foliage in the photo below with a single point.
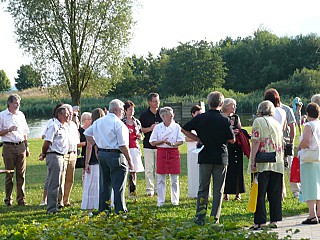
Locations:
(143, 221)
(74, 42)
(5, 84)
(27, 78)
(303, 83)
(194, 67)
(254, 62)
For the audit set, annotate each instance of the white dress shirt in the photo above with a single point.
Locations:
(109, 132)
(73, 136)
(56, 133)
(8, 119)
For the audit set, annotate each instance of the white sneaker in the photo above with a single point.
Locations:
(43, 203)
(90, 214)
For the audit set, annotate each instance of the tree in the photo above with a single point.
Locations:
(27, 78)
(5, 84)
(193, 67)
(74, 42)
(303, 83)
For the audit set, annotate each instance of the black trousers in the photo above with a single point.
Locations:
(269, 183)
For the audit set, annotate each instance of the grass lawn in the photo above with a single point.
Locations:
(143, 221)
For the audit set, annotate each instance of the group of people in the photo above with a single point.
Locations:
(273, 133)
(109, 142)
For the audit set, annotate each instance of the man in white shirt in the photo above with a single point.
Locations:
(14, 130)
(110, 136)
(70, 159)
(54, 148)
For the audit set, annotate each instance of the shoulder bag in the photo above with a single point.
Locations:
(265, 157)
(310, 155)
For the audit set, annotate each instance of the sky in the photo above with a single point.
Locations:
(166, 23)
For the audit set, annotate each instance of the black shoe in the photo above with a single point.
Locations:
(311, 221)
(199, 222)
(8, 204)
(53, 212)
(23, 204)
(60, 206)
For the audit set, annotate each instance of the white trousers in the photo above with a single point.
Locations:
(150, 170)
(175, 188)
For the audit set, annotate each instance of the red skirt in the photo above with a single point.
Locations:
(168, 161)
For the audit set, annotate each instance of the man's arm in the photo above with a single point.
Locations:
(45, 147)
(190, 135)
(292, 131)
(125, 151)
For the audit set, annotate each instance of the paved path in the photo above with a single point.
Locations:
(294, 222)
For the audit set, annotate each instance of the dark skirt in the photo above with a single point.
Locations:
(235, 180)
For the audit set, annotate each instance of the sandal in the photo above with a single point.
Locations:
(226, 197)
(311, 221)
(237, 198)
(273, 225)
(255, 227)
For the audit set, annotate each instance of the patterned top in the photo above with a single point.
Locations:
(269, 132)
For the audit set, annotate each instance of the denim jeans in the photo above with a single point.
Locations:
(113, 175)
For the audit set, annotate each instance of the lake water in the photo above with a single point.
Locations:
(36, 126)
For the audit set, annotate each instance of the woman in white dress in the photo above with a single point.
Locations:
(135, 134)
(310, 171)
(90, 195)
(192, 161)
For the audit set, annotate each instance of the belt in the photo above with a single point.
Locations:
(12, 143)
(71, 152)
(56, 153)
(110, 150)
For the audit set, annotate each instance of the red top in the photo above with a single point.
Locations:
(132, 136)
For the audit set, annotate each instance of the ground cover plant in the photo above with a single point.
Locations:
(143, 221)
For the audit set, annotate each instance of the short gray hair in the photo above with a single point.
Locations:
(316, 99)
(227, 102)
(85, 116)
(215, 99)
(266, 108)
(67, 106)
(114, 104)
(165, 110)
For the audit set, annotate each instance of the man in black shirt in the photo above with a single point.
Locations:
(149, 119)
(214, 132)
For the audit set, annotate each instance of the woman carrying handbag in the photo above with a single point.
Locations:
(267, 160)
(310, 163)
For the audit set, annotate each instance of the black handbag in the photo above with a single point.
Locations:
(80, 163)
(265, 157)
